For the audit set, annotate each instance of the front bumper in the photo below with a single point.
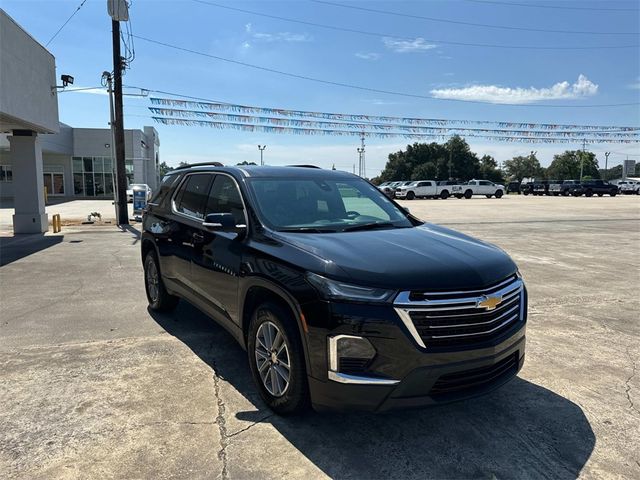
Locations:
(424, 376)
(426, 385)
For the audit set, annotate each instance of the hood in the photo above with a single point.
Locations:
(424, 257)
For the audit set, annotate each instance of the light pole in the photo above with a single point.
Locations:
(606, 161)
(261, 148)
(360, 155)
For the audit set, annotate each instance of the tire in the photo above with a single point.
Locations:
(600, 194)
(468, 194)
(525, 193)
(613, 193)
(411, 195)
(588, 193)
(444, 194)
(285, 396)
(499, 194)
(159, 299)
(458, 196)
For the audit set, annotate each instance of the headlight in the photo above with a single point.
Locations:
(333, 289)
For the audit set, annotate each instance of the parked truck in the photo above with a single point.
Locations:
(417, 189)
(478, 187)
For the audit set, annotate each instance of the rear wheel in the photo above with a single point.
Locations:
(600, 194)
(277, 361)
(613, 193)
(159, 299)
(444, 194)
(458, 196)
(589, 193)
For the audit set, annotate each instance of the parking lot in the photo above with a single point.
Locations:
(94, 386)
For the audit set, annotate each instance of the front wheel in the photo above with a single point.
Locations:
(499, 194)
(613, 193)
(277, 361)
(458, 196)
(411, 195)
(159, 299)
(588, 193)
(468, 194)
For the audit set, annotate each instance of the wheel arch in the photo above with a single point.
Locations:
(258, 291)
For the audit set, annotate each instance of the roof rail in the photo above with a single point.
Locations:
(305, 166)
(203, 164)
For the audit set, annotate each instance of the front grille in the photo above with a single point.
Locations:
(457, 319)
(475, 379)
(353, 365)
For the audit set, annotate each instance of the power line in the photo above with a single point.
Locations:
(470, 24)
(557, 7)
(367, 89)
(65, 23)
(401, 37)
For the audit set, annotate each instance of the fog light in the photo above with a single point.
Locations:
(349, 354)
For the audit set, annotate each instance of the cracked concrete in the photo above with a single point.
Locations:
(94, 386)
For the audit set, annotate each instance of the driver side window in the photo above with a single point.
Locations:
(224, 197)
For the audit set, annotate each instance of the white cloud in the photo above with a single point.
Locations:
(635, 85)
(583, 87)
(276, 37)
(407, 46)
(368, 56)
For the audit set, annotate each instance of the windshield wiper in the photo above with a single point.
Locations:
(368, 226)
(307, 230)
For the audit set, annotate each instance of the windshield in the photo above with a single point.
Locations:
(324, 205)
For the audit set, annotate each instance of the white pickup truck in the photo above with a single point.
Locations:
(629, 187)
(477, 187)
(417, 189)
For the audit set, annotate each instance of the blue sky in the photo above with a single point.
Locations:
(423, 65)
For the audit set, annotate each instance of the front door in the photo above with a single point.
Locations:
(216, 265)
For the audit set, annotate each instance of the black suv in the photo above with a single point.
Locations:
(590, 187)
(340, 296)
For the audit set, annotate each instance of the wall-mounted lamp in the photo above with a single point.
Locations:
(66, 81)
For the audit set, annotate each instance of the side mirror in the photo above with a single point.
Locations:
(222, 222)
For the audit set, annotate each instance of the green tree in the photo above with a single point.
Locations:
(523, 166)
(183, 164)
(163, 169)
(489, 169)
(611, 173)
(246, 163)
(432, 161)
(566, 165)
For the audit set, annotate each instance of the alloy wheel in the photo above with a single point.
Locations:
(272, 359)
(152, 280)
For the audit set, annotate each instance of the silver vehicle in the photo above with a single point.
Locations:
(629, 187)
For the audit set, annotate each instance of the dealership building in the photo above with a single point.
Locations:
(78, 162)
(39, 154)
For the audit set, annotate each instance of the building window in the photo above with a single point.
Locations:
(6, 174)
(92, 176)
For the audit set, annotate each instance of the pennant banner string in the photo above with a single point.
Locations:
(353, 133)
(170, 112)
(220, 106)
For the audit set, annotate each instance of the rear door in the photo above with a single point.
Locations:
(188, 208)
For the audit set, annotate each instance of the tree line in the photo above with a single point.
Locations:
(454, 160)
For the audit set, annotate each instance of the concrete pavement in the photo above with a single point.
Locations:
(94, 386)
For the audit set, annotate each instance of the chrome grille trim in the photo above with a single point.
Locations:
(508, 311)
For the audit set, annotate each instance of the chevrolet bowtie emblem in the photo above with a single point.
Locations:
(489, 303)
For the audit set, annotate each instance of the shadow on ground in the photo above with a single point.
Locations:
(22, 245)
(519, 431)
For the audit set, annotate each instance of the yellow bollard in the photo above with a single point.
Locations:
(57, 225)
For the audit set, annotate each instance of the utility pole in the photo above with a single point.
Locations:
(362, 171)
(450, 160)
(107, 78)
(606, 162)
(122, 209)
(261, 148)
(584, 147)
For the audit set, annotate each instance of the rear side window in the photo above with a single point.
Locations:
(192, 197)
(165, 187)
(225, 198)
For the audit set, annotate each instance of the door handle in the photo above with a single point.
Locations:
(197, 237)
